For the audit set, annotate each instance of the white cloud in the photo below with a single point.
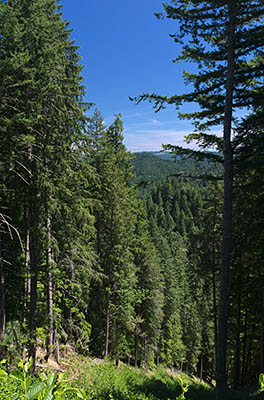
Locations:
(146, 130)
(152, 139)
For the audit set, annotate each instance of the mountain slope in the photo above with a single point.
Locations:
(153, 166)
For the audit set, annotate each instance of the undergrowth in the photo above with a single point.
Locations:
(20, 384)
(106, 382)
(100, 380)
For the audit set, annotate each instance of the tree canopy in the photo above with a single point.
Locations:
(92, 260)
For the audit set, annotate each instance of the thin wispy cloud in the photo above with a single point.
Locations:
(144, 132)
(152, 140)
(143, 139)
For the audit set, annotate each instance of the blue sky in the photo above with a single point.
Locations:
(127, 51)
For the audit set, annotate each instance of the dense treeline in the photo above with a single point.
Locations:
(152, 167)
(84, 259)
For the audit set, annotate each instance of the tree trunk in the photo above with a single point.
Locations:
(237, 377)
(262, 340)
(100, 324)
(214, 299)
(27, 259)
(107, 325)
(28, 279)
(245, 339)
(136, 349)
(248, 366)
(34, 262)
(33, 308)
(221, 378)
(50, 338)
(57, 347)
(201, 369)
(2, 296)
(27, 283)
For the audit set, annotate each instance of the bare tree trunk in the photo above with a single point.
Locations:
(2, 296)
(237, 376)
(136, 349)
(245, 340)
(262, 339)
(214, 302)
(221, 378)
(50, 338)
(201, 369)
(107, 325)
(145, 349)
(27, 265)
(100, 322)
(33, 305)
(34, 263)
(248, 365)
(57, 348)
(27, 284)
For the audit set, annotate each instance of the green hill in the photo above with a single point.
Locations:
(153, 166)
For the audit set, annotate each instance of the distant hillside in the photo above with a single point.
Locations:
(149, 167)
(153, 166)
(165, 155)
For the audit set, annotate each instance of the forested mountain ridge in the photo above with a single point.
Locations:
(153, 166)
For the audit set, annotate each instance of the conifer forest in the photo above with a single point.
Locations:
(146, 259)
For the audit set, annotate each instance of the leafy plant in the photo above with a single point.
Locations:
(184, 388)
(20, 384)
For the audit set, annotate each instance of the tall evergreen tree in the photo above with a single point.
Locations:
(224, 82)
(42, 118)
(247, 295)
(150, 296)
(114, 210)
(207, 261)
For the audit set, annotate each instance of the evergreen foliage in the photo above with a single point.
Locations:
(84, 259)
(42, 118)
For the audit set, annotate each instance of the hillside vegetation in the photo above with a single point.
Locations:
(151, 167)
(95, 379)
